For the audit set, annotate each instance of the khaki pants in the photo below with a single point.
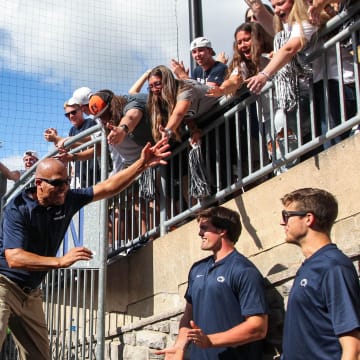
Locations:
(24, 315)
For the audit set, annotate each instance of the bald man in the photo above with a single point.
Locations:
(33, 226)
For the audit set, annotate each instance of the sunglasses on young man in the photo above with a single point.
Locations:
(288, 214)
(73, 112)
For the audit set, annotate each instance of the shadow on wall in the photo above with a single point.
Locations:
(273, 340)
(246, 222)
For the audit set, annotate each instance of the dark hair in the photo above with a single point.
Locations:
(224, 219)
(317, 201)
(115, 111)
(261, 42)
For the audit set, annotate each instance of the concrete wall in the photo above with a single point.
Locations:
(146, 289)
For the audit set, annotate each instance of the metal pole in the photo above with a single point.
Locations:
(100, 330)
(195, 22)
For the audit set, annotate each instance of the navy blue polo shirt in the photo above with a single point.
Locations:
(222, 295)
(37, 229)
(324, 302)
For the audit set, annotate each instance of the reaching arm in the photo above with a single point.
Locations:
(127, 124)
(229, 86)
(139, 83)
(178, 114)
(51, 135)
(150, 156)
(21, 259)
(263, 15)
(317, 6)
(178, 68)
(9, 174)
(280, 58)
(87, 154)
(350, 344)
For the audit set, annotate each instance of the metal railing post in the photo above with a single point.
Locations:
(100, 331)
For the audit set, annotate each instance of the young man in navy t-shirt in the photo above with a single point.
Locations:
(322, 320)
(226, 312)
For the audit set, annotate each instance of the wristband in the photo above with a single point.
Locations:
(74, 156)
(125, 127)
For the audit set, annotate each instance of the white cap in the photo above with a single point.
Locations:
(31, 153)
(80, 96)
(201, 42)
(72, 101)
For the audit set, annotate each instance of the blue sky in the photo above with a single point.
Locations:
(47, 50)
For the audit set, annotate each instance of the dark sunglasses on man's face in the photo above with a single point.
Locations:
(288, 214)
(56, 182)
(71, 113)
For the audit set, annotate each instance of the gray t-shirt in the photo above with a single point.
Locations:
(200, 103)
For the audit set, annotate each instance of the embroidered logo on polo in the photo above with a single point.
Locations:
(303, 282)
(56, 214)
(220, 279)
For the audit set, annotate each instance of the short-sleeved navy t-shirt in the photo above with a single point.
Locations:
(324, 302)
(216, 74)
(222, 295)
(37, 229)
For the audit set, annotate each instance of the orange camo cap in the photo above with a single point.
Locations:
(97, 105)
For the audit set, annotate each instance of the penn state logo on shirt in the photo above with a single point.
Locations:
(220, 279)
(303, 282)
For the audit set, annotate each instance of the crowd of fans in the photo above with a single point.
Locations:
(268, 47)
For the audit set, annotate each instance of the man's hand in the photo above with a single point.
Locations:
(51, 135)
(64, 156)
(61, 141)
(155, 155)
(171, 353)
(197, 336)
(74, 255)
(179, 70)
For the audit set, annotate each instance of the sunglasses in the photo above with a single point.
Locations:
(288, 214)
(56, 182)
(156, 85)
(71, 113)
